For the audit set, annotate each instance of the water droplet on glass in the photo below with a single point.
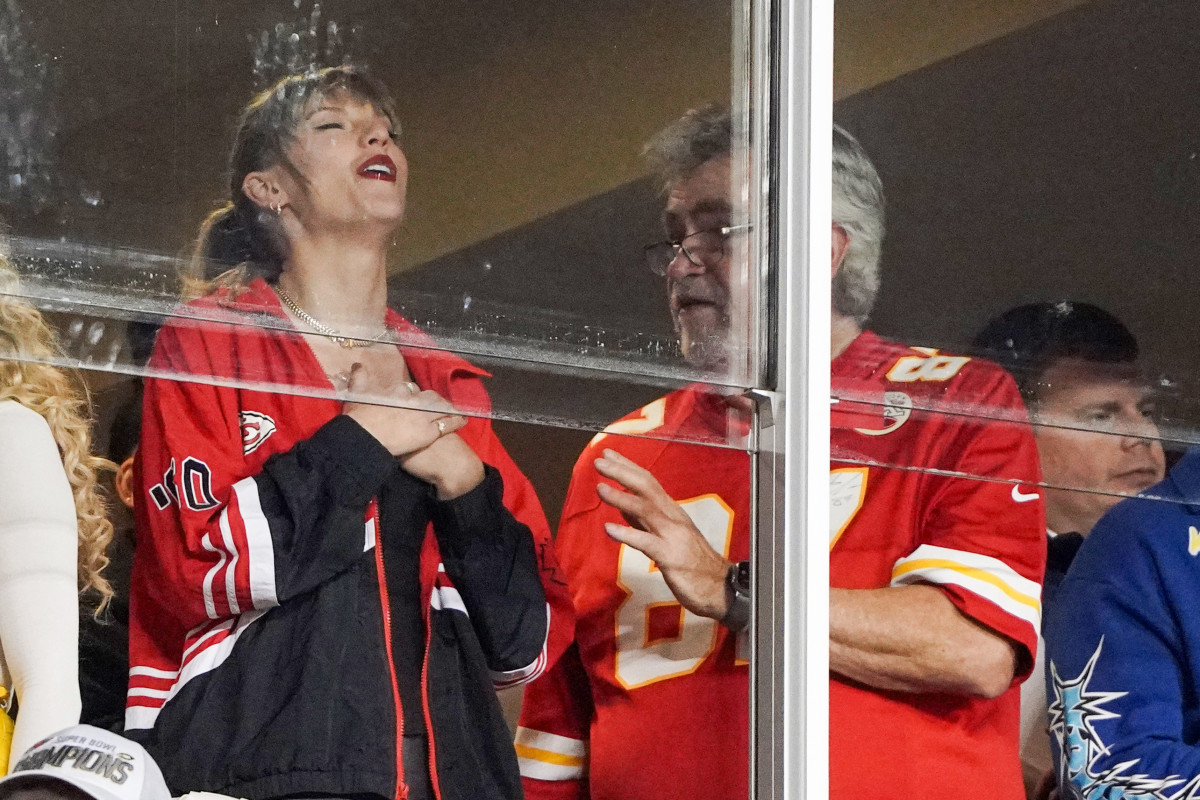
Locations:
(487, 266)
(95, 332)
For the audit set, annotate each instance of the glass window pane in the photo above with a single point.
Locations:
(528, 200)
(1039, 165)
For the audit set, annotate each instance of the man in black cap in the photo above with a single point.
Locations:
(1077, 368)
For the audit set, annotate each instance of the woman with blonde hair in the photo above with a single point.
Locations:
(325, 593)
(53, 525)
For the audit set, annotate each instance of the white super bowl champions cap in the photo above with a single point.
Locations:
(98, 762)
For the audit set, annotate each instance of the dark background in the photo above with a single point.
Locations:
(1059, 162)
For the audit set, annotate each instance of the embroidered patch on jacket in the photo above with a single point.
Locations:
(256, 429)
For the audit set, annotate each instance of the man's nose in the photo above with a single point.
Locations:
(1139, 431)
(682, 265)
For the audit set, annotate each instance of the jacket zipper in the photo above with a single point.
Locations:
(401, 787)
(432, 748)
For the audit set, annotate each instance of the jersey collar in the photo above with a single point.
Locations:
(426, 360)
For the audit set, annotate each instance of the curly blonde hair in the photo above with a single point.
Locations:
(26, 343)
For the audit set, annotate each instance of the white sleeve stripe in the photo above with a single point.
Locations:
(539, 770)
(551, 742)
(231, 570)
(507, 680)
(206, 659)
(447, 597)
(143, 692)
(210, 606)
(151, 672)
(1002, 572)
(261, 557)
(550, 757)
(224, 626)
(976, 582)
(140, 717)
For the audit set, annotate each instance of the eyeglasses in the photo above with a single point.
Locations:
(703, 248)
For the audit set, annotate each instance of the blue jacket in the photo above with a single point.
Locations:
(1123, 650)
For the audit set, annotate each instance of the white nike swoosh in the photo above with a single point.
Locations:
(1021, 497)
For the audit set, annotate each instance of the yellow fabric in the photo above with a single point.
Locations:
(6, 731)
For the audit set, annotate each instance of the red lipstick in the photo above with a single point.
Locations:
(380, 168)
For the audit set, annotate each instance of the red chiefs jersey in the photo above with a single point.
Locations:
(205, 570)
(652, 702)
(923, 489)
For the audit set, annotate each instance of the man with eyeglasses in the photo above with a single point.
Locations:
(934, 594)
(651, 702)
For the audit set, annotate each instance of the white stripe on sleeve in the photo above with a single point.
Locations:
(210, 607)
(987, 577)
(262, 548)
(231, 570)
(506, 680)
(447, 597)
(151, 672)
(550, 757)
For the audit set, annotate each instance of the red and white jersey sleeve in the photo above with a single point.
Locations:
(653, 700)
(217, 545)
(552, 740)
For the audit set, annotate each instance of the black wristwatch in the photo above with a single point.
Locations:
(737, 590)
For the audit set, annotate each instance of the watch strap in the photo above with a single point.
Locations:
(737, 590)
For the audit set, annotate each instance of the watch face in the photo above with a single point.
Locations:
(741, 577)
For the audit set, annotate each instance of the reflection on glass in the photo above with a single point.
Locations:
(28, 123)
(654, 544)
(308, 42)
(1078, 371)
(523, 240)
(392, 558)
(925, 558)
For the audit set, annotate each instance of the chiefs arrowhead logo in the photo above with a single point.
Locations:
(897, 409)
(256, 429)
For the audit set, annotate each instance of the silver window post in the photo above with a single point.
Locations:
(789, 669)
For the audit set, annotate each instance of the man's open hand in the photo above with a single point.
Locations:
(662, 530)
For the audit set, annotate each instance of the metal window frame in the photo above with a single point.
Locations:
(790, 107)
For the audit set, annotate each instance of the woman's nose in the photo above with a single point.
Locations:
(379, 134)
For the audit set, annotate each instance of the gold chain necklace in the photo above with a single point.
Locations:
(349, 342)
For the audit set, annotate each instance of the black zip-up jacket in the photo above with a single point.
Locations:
(283, 546)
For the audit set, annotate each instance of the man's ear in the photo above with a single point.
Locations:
(841, 243)
(263, 189)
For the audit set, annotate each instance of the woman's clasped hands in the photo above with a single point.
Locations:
(421, 433)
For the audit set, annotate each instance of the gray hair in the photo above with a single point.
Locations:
(697, 137)
(704, 133)
(857, 208)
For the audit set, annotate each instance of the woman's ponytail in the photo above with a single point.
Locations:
(235, 246)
